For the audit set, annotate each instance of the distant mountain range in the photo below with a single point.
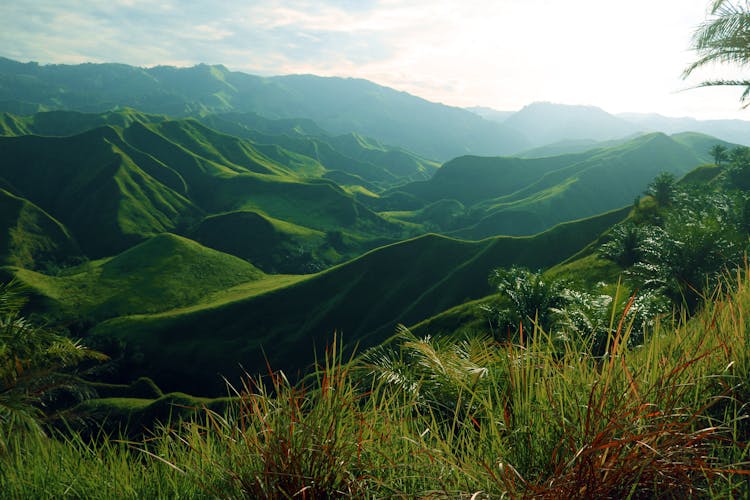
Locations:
(339, 105)
(568, 129)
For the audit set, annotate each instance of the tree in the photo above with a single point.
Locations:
(624, 245)
(662, 189)
(724, 38)
(535, 300)
(697, 242)
(33, 361)
(719, 153)
(739, 168)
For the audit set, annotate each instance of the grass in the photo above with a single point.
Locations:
(517, 196)
(164, 272)
(451, 418)
(31, 238)
(365, 299)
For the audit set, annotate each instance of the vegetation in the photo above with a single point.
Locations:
(34, 366)
(723, 39)
(426, 417)
(215, 247)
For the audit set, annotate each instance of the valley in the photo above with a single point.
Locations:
(148, 231)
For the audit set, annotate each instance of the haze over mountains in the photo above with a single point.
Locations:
(549, 124)
(220, 217)
(337, 105)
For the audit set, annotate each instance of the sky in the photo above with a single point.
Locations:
(504, 54)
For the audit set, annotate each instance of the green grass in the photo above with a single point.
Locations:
(31, 238)
(517, 196)
(365, 299)
(448, 417)
(164, 272)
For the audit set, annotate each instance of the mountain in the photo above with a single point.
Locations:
(545, 123)
(114, 186)
(364, 299)
(30, 237)
(339, 105)
(735, 131)
(90, 184)
(493, 115)
(519, 196)
(374, 164)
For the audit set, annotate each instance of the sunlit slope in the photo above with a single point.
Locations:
(30, 237)
(296, 147)
(87, 182)
(112, 187)
(162, 273)
(364, 299)
(349, 153)
(271, 244)
(613, 177)
(517, 196)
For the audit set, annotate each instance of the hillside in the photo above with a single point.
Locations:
(163, 272)
(521, 196)
(88, 183)
(336, 104)
(30, 237)
(155, 175)
(546, 123)
(364, 299)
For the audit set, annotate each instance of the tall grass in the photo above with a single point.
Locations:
(453, 418)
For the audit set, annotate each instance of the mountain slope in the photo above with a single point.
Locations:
(518, 196)
(31, 238)
(338, 105)
(364, 299)
(163, 272)
(546, 123)
(112, 187)
(89, 184)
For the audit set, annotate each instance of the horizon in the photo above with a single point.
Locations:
(467, 108)
(500, 55)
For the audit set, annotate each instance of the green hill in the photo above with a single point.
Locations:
(295, 147)
(273, 245)
(523, 196)
(365, 158)
(91, 185)
(31, 238)
(364, 299)
(163, 272)
(112, 187)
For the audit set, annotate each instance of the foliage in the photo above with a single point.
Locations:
(724, 38)
(738, 170)
(624, 245)
(542, 420)
(698, 240)
(32, 365)
(719, 153)
(534, 299)
(662, 188)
